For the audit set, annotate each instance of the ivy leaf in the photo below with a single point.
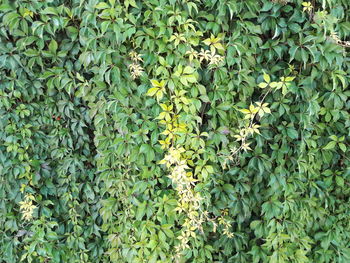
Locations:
(330, 145)
(102, 5)
(188, 70)
(53, 46)
(263, 85)
(152, 91)
(141, 211)
(342, 146)
(292, 133)
(266, 78)
(340, 181)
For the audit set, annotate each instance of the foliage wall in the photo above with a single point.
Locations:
(174, 131)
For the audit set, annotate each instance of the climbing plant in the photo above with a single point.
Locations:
(174, 131)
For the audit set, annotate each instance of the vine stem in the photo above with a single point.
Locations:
(251, 121)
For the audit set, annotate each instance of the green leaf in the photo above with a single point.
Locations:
(267, 78)
(228, 188)
(53, 46)
(340, 181)
(102, 5)
(342, 146)
(191, 78)
(141, 211)
(188, 70)
(263, 85)
(292, 133)
(152, 91)
(330, 145)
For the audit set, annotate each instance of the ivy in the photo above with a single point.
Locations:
(174, 131)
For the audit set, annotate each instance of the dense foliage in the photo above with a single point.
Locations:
(174, 131)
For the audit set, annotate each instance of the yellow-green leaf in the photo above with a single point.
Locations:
(267, 78)
(152, 91)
